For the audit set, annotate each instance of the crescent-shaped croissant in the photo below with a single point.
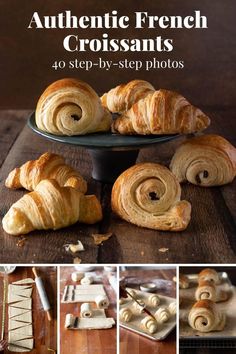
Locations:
(51, 206)
(208, 160)
(47, 166)
(149, 324)
(205, 317)
(162, 314)
(71, 107)
(161, 112)
(209, 274)
(122, 97)
(148, 195)
(126, 314)
(154, 300)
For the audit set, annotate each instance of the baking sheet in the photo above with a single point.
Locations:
(135, 324)
(229, 306)
(82, 293)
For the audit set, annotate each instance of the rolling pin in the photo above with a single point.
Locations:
(42, 294)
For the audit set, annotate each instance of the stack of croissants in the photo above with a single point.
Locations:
(205, 316)
(146, 194)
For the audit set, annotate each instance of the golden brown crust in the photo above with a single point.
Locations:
(71, 107)
(47, 166)
(161, 112)
(208, 160)
(122, 97)
(148, 195)
(209, 274)
(51, 206)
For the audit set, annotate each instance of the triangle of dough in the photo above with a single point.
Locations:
(27, 343)
(13, 336)
(14, 298)
(13, 286)
(12, 324)
(19, 291)
(14, 311)
(24, 281)
(25, 304)
(14, 349)
(24, 317)
(26, 330)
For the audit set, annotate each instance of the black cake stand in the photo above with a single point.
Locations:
(111, 153)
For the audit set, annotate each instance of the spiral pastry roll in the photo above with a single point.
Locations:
(172, 308)
(162, 314)
(148, 195)
(205, 317)
(183, 281)
(125, 314)
(161, 112)
(71, 107)
(206, 290)
(206, 161)
(149, 324)
(86, 310)
(122, 97)
(209, 274)
(154, 300)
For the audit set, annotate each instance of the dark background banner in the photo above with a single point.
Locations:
(26, 56)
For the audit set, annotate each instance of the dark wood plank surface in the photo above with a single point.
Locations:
(138, 343)
(101, 341)
(44, 332)
(210, 236)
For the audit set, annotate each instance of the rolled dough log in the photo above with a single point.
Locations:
(86, 310)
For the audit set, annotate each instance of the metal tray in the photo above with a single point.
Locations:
(134, 325)
(186, 333)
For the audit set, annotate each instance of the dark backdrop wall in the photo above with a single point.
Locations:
(26, 55)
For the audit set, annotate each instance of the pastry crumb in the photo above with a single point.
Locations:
(21, 242)
(77, 260)
(100, 238)
(74, 247)
(163, 249)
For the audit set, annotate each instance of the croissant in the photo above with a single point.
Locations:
(126, 314)
(122, 97)
(139, 306)
(148, 195)
(154, 300)
(149, 324)
(51, 207)
(207, 290)
(183, 281)
(48, 166)
(208, 160)
(205, 317)
(210, 275)
(71, 107)
(162, 314)
(161, 112)
(172, 308)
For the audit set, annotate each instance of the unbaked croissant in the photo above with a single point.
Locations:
(139, 306)
(161, 112)
(172, 308)
(154, 300)
(125, 314)
(208, 160)
(207, 290)
(210, 275)
(149, 324)
(48, 166)
(122, 97)
(148, 195)
(51, 207)
(162, 314)
(205, 317)
(71, 107)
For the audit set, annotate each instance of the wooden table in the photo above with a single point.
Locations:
(87, 341)
(209, 238)
(44, 332)
(138, 343)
